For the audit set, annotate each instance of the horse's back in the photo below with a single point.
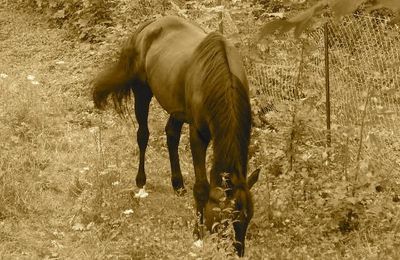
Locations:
(169, 44)
(173, 41)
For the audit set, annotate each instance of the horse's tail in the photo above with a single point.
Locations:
(117, 81)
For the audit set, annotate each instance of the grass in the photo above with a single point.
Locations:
(66, 179)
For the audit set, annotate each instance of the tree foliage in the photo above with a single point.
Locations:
(312, 15)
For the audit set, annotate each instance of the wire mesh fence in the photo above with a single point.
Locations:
(365, 86)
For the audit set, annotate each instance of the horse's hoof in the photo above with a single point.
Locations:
(180, 192)
(140, 180)
(177, 184)
(141, 194)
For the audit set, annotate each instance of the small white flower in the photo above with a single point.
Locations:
(34, 82)
(59, 62)
(128, 212)
(115, 183)
(78, 227)
(30, 77)
(93, 130)
(198, 243)
(90, 225)
(3, 76)
(84, 169)
(55, 244)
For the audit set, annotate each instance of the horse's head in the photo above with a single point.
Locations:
(234, 203)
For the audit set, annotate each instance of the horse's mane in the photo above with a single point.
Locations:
(228, 105)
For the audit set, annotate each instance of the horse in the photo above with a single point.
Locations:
(199, 79)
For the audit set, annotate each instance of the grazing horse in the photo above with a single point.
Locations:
(198, 79)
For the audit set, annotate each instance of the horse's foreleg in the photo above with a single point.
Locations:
(201, 188)
(143, 97)
(173, 131)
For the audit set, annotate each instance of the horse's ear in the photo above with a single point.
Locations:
(253, 178)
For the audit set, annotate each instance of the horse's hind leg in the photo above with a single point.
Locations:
(173, 131)
(143, 97)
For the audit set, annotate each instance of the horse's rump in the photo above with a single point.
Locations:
(156, 55)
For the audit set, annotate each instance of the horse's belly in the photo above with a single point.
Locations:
(169, 92)
(171, 101)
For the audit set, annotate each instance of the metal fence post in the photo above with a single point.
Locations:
(220, 25)
(327, 88)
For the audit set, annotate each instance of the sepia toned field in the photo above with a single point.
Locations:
(67, 173)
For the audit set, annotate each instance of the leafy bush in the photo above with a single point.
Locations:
(89, 19)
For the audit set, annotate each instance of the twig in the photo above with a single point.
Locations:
(100, 143)
(361, 135)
